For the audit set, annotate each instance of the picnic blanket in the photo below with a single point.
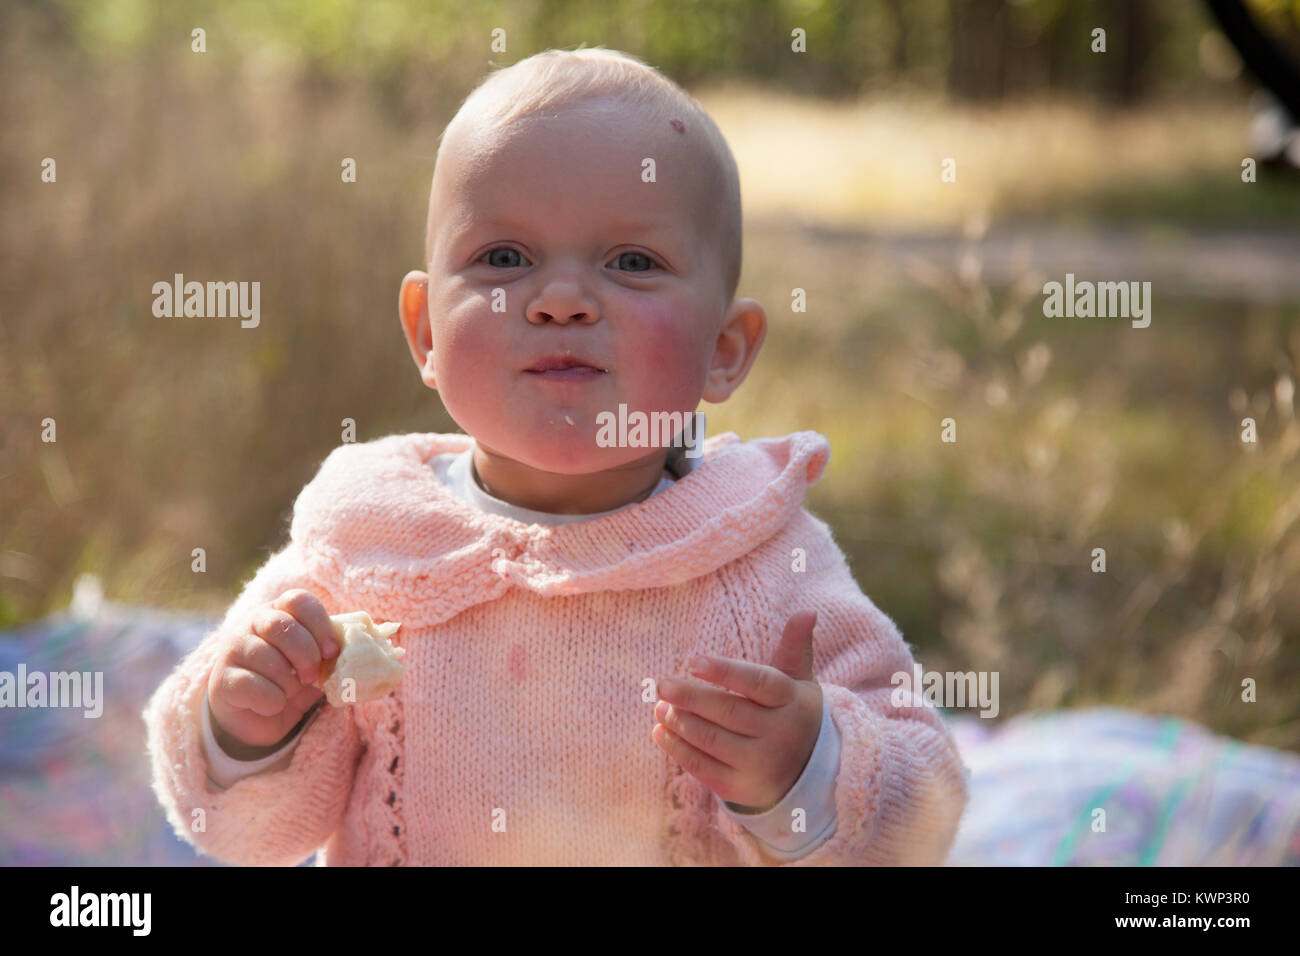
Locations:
(75, 790)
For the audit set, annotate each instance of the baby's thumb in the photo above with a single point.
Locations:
(794, 654)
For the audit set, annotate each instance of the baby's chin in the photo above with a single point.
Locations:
(566, 449)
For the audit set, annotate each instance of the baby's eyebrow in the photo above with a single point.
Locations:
(471, 223)
(654, 229)
(638, 225)
(653, 224)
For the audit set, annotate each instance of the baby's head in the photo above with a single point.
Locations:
(582, 205)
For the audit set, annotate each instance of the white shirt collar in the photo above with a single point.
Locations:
(456, 472)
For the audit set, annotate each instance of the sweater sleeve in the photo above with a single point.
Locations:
(277, 817)
(901, 786)
(814, 792)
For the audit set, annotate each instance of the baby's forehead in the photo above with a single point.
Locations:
(553, 159)
(606, 126)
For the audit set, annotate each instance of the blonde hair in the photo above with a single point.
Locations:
(552, 79)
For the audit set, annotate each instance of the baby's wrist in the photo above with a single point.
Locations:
(235, 748)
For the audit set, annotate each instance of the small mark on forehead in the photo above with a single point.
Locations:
(677, 125)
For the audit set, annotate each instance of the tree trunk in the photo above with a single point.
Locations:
(977, 66)
(1265, 58)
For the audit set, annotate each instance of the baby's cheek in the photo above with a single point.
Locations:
(467, 364)
(465, 336)
(663, 365)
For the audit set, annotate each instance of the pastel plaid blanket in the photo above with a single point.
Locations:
(1101, 787)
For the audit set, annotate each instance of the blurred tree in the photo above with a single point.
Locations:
(1266, 58)
(1001, 48)
(898, 52)
(977, 64)
(1131, 39)
(974, 49)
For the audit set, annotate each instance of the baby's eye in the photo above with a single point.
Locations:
(492, 256)
(636, 257)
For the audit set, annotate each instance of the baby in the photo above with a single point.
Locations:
(615, 652)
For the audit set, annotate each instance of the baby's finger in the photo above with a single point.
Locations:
(255, 655)
(716, 776)
(704, 735)
(307, 609)
(306, 698)
(759, 682)
(282, 631)
(243, 690)
(731, 711)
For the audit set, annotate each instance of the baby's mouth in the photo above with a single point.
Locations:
(564, 368)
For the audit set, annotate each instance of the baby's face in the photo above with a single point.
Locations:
(581, 258)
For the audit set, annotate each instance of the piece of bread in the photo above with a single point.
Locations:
(368, 666)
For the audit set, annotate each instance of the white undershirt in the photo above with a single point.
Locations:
(456, 471)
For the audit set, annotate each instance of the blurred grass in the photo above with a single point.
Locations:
(176, 434)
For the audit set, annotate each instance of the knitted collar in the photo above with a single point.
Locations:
(379, 530)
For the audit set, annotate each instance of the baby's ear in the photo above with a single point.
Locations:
(743, 329)
(413, 297)
(413, 314)
(426, 373)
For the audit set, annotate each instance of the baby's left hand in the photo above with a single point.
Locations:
(748, 749)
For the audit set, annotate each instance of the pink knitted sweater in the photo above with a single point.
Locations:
(519, 734)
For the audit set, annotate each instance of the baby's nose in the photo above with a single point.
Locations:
(539, 317)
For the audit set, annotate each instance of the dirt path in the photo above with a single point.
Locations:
(1254, 265)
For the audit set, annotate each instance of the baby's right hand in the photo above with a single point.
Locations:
(261, 684)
